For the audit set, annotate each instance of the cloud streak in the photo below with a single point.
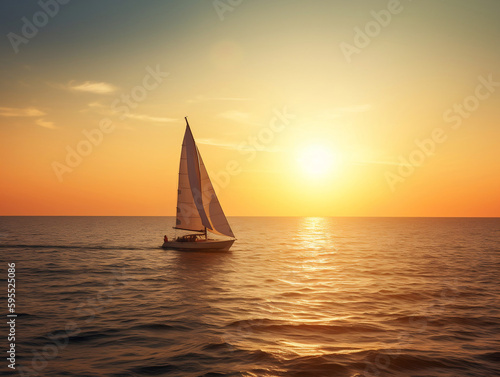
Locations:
(106, 110)
(29, 112)
(148, 118)
(217, 143)
(20, 112)
(45, 123)
(204, 98)
(241, 147)
(235, 115)
(92, 87)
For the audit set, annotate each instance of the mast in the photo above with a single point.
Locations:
(205, 228)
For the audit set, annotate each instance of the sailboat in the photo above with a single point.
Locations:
(198, 209)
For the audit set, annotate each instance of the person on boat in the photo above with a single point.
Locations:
(165, 238)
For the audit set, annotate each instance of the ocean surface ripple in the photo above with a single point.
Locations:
(97, 296)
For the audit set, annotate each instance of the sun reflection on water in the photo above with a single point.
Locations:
(314, 234)
(314, 246)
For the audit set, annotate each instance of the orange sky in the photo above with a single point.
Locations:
(318, 109)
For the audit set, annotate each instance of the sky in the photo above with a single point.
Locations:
(318, 108)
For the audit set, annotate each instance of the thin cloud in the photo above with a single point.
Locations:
(148, 118)
(235, 115)
(92, 87)
(99, 108)
(97, 105)
(217, 143)
(241, 147)
(20, 112)
(106, 110)
(240, 117)
(45, 123)
(204, 98)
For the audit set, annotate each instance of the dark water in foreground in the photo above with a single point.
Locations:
(294, 297)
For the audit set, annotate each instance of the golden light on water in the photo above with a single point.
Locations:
(313, 234)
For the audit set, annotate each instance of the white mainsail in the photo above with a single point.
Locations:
(198, 208)
(187, 212)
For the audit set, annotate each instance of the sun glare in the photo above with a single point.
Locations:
(317, 160)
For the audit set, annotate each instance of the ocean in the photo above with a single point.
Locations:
(97, 296)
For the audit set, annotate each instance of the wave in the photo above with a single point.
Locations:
(63, 337)
(209, 359)
(409, 296)
(155, 370)
(391, 360)
(493, 357)
(373, 362)
(268, 325)
(479, 321)
(83, 247)
(160, 327)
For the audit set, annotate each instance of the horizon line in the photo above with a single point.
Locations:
(306, 216)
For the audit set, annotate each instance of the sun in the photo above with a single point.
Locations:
(317, 160)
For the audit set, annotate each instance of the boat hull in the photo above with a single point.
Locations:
(204, 245)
